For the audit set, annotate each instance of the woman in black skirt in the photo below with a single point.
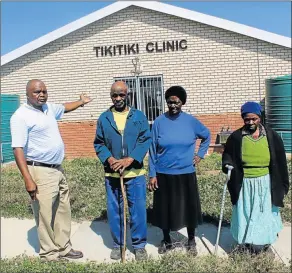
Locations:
(172, 169)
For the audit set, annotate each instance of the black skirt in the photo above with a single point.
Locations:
(176, 202)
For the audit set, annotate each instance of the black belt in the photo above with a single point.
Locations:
(35, 163)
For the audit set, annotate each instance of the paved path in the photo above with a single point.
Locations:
(94, 239)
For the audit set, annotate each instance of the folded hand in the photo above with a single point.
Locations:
(121, 164)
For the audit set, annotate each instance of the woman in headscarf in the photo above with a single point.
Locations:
(172, 169)
(258, 181)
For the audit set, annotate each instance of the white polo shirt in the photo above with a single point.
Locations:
(38, 133)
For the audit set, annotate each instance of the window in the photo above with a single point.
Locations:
(145, 94)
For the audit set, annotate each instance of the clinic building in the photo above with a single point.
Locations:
(151, 46)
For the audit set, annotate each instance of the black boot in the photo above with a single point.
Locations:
(191, 245)
(166, 243)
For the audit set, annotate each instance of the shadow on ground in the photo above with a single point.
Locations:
(33, 239)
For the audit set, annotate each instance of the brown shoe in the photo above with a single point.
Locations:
(73, 254)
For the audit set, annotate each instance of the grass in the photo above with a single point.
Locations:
(174, 262)
(88, 197)
(88, 202)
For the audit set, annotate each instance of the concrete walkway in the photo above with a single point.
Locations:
(94, 239)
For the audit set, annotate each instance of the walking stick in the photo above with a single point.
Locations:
(222, 206)
(125, 216)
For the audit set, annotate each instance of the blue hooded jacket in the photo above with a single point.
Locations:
(135, 142)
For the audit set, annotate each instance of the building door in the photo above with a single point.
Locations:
(145, 94)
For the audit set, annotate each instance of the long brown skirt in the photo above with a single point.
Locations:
(176, 202)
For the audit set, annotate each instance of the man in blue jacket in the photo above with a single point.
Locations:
(121, 143)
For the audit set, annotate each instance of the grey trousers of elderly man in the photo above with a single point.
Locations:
(52, 212)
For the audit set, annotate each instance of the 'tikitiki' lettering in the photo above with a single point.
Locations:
(115, 50)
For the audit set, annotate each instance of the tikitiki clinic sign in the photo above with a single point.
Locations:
(132, 49)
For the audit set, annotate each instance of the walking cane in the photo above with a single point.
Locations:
(222, 206)
(125, 216)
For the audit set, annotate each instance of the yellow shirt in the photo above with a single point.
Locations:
(121, 119)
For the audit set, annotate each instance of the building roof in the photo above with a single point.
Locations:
(151, 5)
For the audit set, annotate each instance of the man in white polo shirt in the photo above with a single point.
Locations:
(39, 151)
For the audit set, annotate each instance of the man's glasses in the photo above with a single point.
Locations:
(115, 95)
(37, 92)
(247, 120)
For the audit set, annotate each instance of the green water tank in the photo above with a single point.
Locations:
(279, 107)
(9, 104)
(287, 139)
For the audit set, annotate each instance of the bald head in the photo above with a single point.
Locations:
(36, 93)
(32, 83)
(119, 86)
(118, 94)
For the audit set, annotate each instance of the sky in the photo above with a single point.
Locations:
(23, 22)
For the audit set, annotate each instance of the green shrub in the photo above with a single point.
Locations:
(15, 201)
(86, 179)
(211, 190)
(211, 162)
(88, 198)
